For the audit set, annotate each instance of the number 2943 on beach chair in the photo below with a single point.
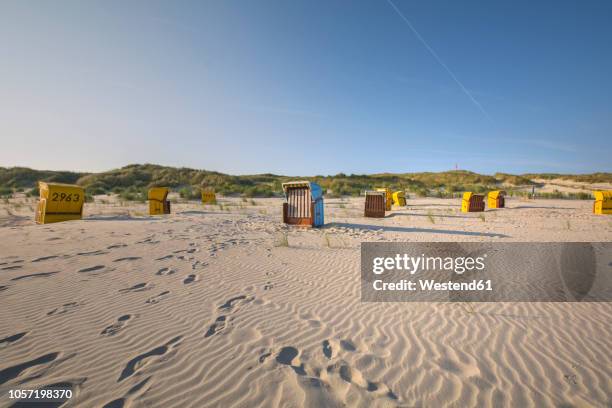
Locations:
(303, 204)
(158, 203)
(472, 202)
(59, 202)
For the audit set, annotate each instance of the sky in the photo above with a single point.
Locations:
(307, 87)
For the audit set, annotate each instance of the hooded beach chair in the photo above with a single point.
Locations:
(303, 204)
(399, 198)
(472, 202)
(603, 202)
(158, 203)
(59, 202)
(388, 197)
(209, 197)
(374, 204)
(496, 199)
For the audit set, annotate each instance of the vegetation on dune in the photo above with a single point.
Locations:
(513, 180)
(19, 178)
(132, 182)
(581, 178)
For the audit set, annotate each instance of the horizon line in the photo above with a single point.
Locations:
(85, 172)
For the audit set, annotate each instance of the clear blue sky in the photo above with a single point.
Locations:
(307, 87)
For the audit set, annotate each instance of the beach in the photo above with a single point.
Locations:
(223, 305)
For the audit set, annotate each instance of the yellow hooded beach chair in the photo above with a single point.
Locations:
(496, 199)
(472, 202)
(158, 203)
(603, 202)
(209, 197)
(399, 198)
(59, 202)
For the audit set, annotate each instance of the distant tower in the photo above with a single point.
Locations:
(456, 167)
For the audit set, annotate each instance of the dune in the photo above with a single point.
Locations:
(225, 306)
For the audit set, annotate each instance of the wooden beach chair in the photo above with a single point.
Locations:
(496, 199)
(209, 197)
(603, 202)
(158, 203)
(374, 204)
(303, 204)
(399, 198)
(472, 202)
(59, 202)
(388, 197)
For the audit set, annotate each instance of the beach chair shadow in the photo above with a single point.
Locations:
(407, 229)
(405, 214)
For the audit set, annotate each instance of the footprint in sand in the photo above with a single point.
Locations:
(290, 356)
(148, 241)
(11, 268)
(190, 279)
(11, 339)
(329, 348)
(287, 355)
(347, 345)
(128, 258)
(570, 379)
(264, 355)
(14, 371)
(92, 253)
(165, 271)
(44, 258)
(92, 268)
(163, 258)
(139, 287)
(136, 391)
(353, 376)
(157, 298)
(229, 306)
(65, 308)
(117, 326)
(115, 246)
(35, 275)
(216, 327)
(142, 360)
(232, 303)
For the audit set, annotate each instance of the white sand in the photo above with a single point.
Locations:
(202, 308)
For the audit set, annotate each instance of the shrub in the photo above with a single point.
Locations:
(189, 193)
(134, 194)
(6, 191)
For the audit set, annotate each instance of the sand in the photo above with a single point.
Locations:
(225, 306)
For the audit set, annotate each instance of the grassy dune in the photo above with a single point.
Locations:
(132, 181)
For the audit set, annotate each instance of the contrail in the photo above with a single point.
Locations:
(437, 58)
